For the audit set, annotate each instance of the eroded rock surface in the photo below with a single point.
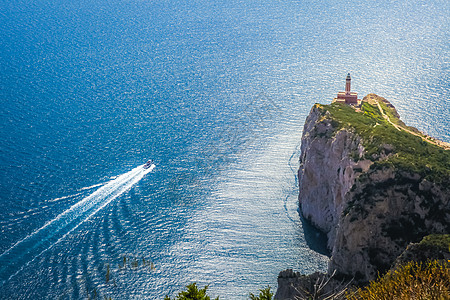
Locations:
(370, 211)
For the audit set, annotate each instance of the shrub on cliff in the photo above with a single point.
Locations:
(415, 280)
(433, 246)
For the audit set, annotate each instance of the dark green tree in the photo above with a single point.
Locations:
(192, 293)
(264, 294)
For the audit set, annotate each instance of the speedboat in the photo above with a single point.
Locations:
(148, 164)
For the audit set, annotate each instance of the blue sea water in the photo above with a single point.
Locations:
(216, 93)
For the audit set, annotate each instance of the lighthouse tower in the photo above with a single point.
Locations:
(348, 97)
(348, 81)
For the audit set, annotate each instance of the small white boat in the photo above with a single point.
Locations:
(148, 164)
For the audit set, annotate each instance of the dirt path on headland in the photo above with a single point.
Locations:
(428, 139)
(389, 120)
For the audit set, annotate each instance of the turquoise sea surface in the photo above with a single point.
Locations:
(216, 93)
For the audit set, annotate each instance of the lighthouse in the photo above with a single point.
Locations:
(348, 82)
(348, 97)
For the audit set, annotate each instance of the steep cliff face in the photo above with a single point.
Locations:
(327, 170)
(386, 210)
(373, 187)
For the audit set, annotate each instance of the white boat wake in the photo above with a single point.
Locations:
(13, 260)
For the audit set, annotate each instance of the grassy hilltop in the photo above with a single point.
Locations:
(384, 134)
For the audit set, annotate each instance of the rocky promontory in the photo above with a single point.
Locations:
(372, 184)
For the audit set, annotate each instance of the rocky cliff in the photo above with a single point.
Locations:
(372, 184)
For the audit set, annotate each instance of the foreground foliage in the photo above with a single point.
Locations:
(264, 294)
(192, 293)
(415, 280)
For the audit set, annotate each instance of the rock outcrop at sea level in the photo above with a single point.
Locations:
(372, 184)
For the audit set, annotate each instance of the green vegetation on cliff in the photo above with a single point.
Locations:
(390, 145)
(438, 242)
(433, 246)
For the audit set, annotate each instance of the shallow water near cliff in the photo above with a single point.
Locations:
(216, 93)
